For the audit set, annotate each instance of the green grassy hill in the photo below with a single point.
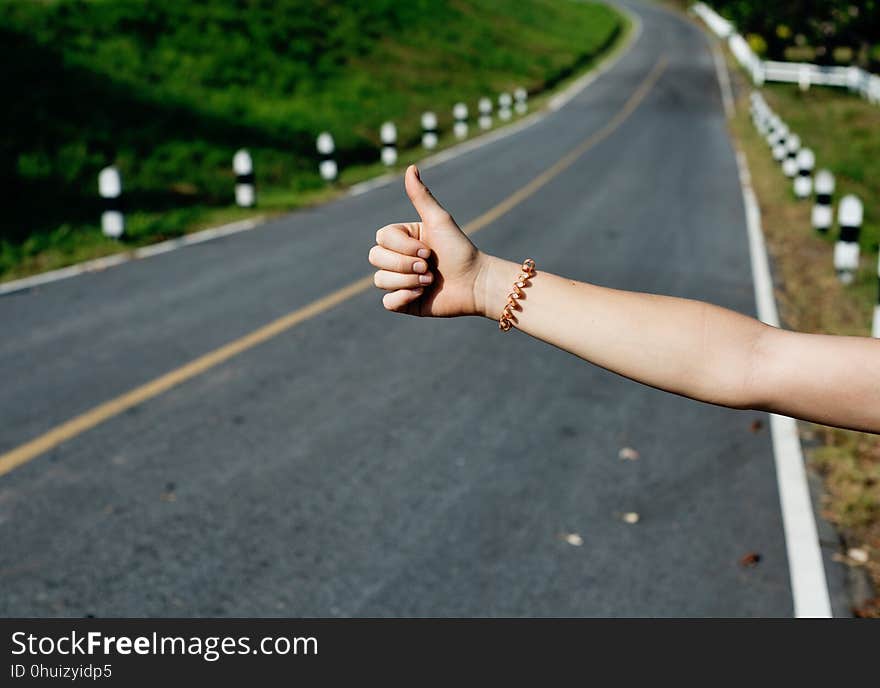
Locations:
(169, 90)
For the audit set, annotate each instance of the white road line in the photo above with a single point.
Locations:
(723, 81)
(99, 264)
(809, 588)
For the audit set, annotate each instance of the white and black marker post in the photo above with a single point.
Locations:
(803, 182)
(460, 114)
(759, 112)
(766, 120)
(110, 189)
(388, 135)
(485, 108)
(822, 215)
(243, 166)
(759, 115)
(846, 250)
(789, 164)
(326, 147)
(770, 133)
(504, 104)
(875, 326)
(778, 142)
(521, 96)
(429, 130)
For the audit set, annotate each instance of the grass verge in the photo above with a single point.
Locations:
(176, 176)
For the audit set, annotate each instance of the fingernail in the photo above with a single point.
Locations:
(425, 279)
(418, 290)
(424, 253)
(418, 176)
(419, 266)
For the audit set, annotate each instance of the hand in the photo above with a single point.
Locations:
(428, 268)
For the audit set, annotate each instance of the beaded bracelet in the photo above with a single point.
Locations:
(505, 322)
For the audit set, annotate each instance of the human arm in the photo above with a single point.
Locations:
(687, 347)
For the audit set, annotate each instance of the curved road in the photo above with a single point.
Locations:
(362, 463)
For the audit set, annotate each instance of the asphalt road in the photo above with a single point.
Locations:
(364, 463)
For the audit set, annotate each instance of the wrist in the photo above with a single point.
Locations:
(492, 285)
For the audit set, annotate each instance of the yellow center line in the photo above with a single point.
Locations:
(97, 415)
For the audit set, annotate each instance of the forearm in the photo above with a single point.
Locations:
(682, 346)
(696, 349)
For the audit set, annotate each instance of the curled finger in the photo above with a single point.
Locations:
(396, 238)
(385, 259)
(390, 281)
(400, 299)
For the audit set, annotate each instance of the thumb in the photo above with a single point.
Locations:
(421, 197)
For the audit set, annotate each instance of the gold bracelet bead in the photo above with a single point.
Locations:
(504, 325)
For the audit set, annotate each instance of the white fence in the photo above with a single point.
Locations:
(802, 73)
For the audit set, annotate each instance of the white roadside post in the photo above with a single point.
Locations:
(758, 75)
(875, 328)
(804, 78)
(764, 119)
(803, 183)
(504, 103)
(760, 114)
(460, 114)
(388, 135)
(429, 130)
(778, 143)
(853, 78)
(521, 96)
(485, 108)
(326, 147)
(772, 126)
(243, 166)
(872, 88)
(779, 127)
(822, 216)
(110, 189)
(789, 164)
(846, 250)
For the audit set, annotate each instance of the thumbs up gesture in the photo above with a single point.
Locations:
(428, 268)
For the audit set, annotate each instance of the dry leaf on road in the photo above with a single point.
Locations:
(573, 539)
(628, 454)
(750, 559)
